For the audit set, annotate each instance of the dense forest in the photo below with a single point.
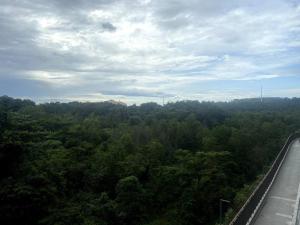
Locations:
(109, 164)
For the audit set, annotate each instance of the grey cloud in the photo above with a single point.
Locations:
(16, 86)
(100, 53)
(19, 49)
(17, 46)
(192, 11)
(79, 4)
(108, 27)
(136, 93)
(63, 7)
(174, 23)
(180, 13)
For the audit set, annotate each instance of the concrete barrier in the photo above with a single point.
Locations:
(249, 210)
(296, 214)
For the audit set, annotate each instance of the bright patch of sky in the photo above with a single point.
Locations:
(143, 50)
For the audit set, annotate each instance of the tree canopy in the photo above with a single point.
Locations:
(108, 164)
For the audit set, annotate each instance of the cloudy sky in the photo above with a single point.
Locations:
(143, 50)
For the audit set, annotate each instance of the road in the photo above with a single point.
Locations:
(280, 201)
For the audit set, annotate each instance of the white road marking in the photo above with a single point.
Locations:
(284, 215)
(282, 198)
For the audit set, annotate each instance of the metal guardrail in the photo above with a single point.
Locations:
(254, 202)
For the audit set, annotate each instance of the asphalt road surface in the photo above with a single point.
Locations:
(280, 201)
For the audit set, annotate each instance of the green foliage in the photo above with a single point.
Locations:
(107, 164)
(130, 200)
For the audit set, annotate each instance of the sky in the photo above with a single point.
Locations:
(139, 51)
